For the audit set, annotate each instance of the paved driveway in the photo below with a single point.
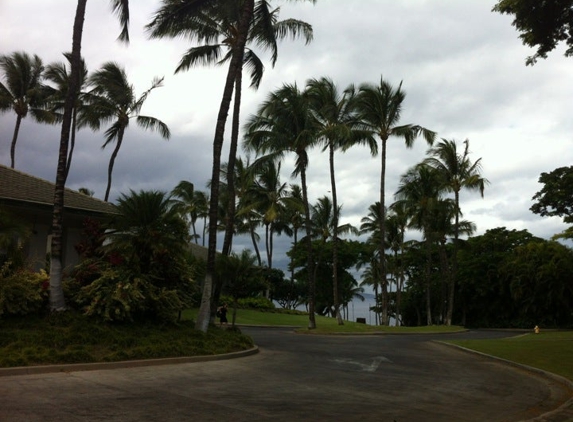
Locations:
(295, 378)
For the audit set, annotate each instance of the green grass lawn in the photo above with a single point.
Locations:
(550, 351)
(324, 325)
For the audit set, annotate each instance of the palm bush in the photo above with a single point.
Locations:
(142, 269)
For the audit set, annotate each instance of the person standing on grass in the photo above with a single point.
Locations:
(222, 314)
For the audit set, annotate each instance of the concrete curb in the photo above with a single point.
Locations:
(46, 369)
(562, 413)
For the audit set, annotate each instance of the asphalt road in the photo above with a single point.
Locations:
(296, 378)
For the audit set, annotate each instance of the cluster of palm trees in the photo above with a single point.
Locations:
(105, 97)
(294, 120)
(291, 120)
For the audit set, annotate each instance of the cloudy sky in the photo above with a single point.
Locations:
(462, 67)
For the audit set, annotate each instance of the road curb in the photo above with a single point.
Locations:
(562, 413)
(47, 369)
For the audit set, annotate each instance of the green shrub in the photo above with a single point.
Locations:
(118, 295)
(250, 302)
(22, 292)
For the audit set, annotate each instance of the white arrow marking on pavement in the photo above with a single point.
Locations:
(372, 367)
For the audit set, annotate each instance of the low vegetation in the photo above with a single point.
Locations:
(73, 338)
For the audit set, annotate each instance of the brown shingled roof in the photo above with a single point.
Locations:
(19, 187)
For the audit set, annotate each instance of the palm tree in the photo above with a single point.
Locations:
(371, 224)
(58, 74)
(283, 124)
(458, 173)
(23, 91)
(181, 18)
(252, 20)
(147, 228)
(397, 222)
(269, 197)
(340, 128)
(113, 98)
(380, 109)
(185, 202)
(121, 9)
(419, 192)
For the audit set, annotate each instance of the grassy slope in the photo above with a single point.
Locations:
(550, 351)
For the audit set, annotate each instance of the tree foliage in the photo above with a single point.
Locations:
(542, 24)
(556, 197)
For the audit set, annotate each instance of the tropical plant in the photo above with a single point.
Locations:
(283, 124)
(144, 269)
(419, 192)
(59, 74)
(22, 292)
(380, 108)
(339, 129)
(188, 19)
(242, 278)
(457, 172)
(121, 8)
(217, 30)
(270, 198)
(185, 202)
(113, 98)
(23, 92)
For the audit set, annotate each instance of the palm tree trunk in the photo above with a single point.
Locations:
(334, 238)
(14, 139)
(112, 162)
(230, 226)
(72, 141)
(57, 300)
(236, 61)
(384, 282)
(454, 273)
(255, 246)
(267, 245)
(428, 284)
(309, 254)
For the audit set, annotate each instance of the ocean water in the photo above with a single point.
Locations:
(357, 308)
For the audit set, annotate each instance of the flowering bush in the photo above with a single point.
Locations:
(23, 291)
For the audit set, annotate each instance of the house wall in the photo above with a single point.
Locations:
(39, 242)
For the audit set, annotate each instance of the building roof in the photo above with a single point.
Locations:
(17, 187)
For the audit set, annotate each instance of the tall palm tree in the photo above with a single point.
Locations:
(284, 124)
(59, 74)
(190, 18)
(295, 217)
(371, 224)
(269, 197)
(458, 173)
(121, 9)
(397, 222)
(181, 18)
(113, 99)
(23, 91)
(381, 108)
(419, 192)
(340, 128)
